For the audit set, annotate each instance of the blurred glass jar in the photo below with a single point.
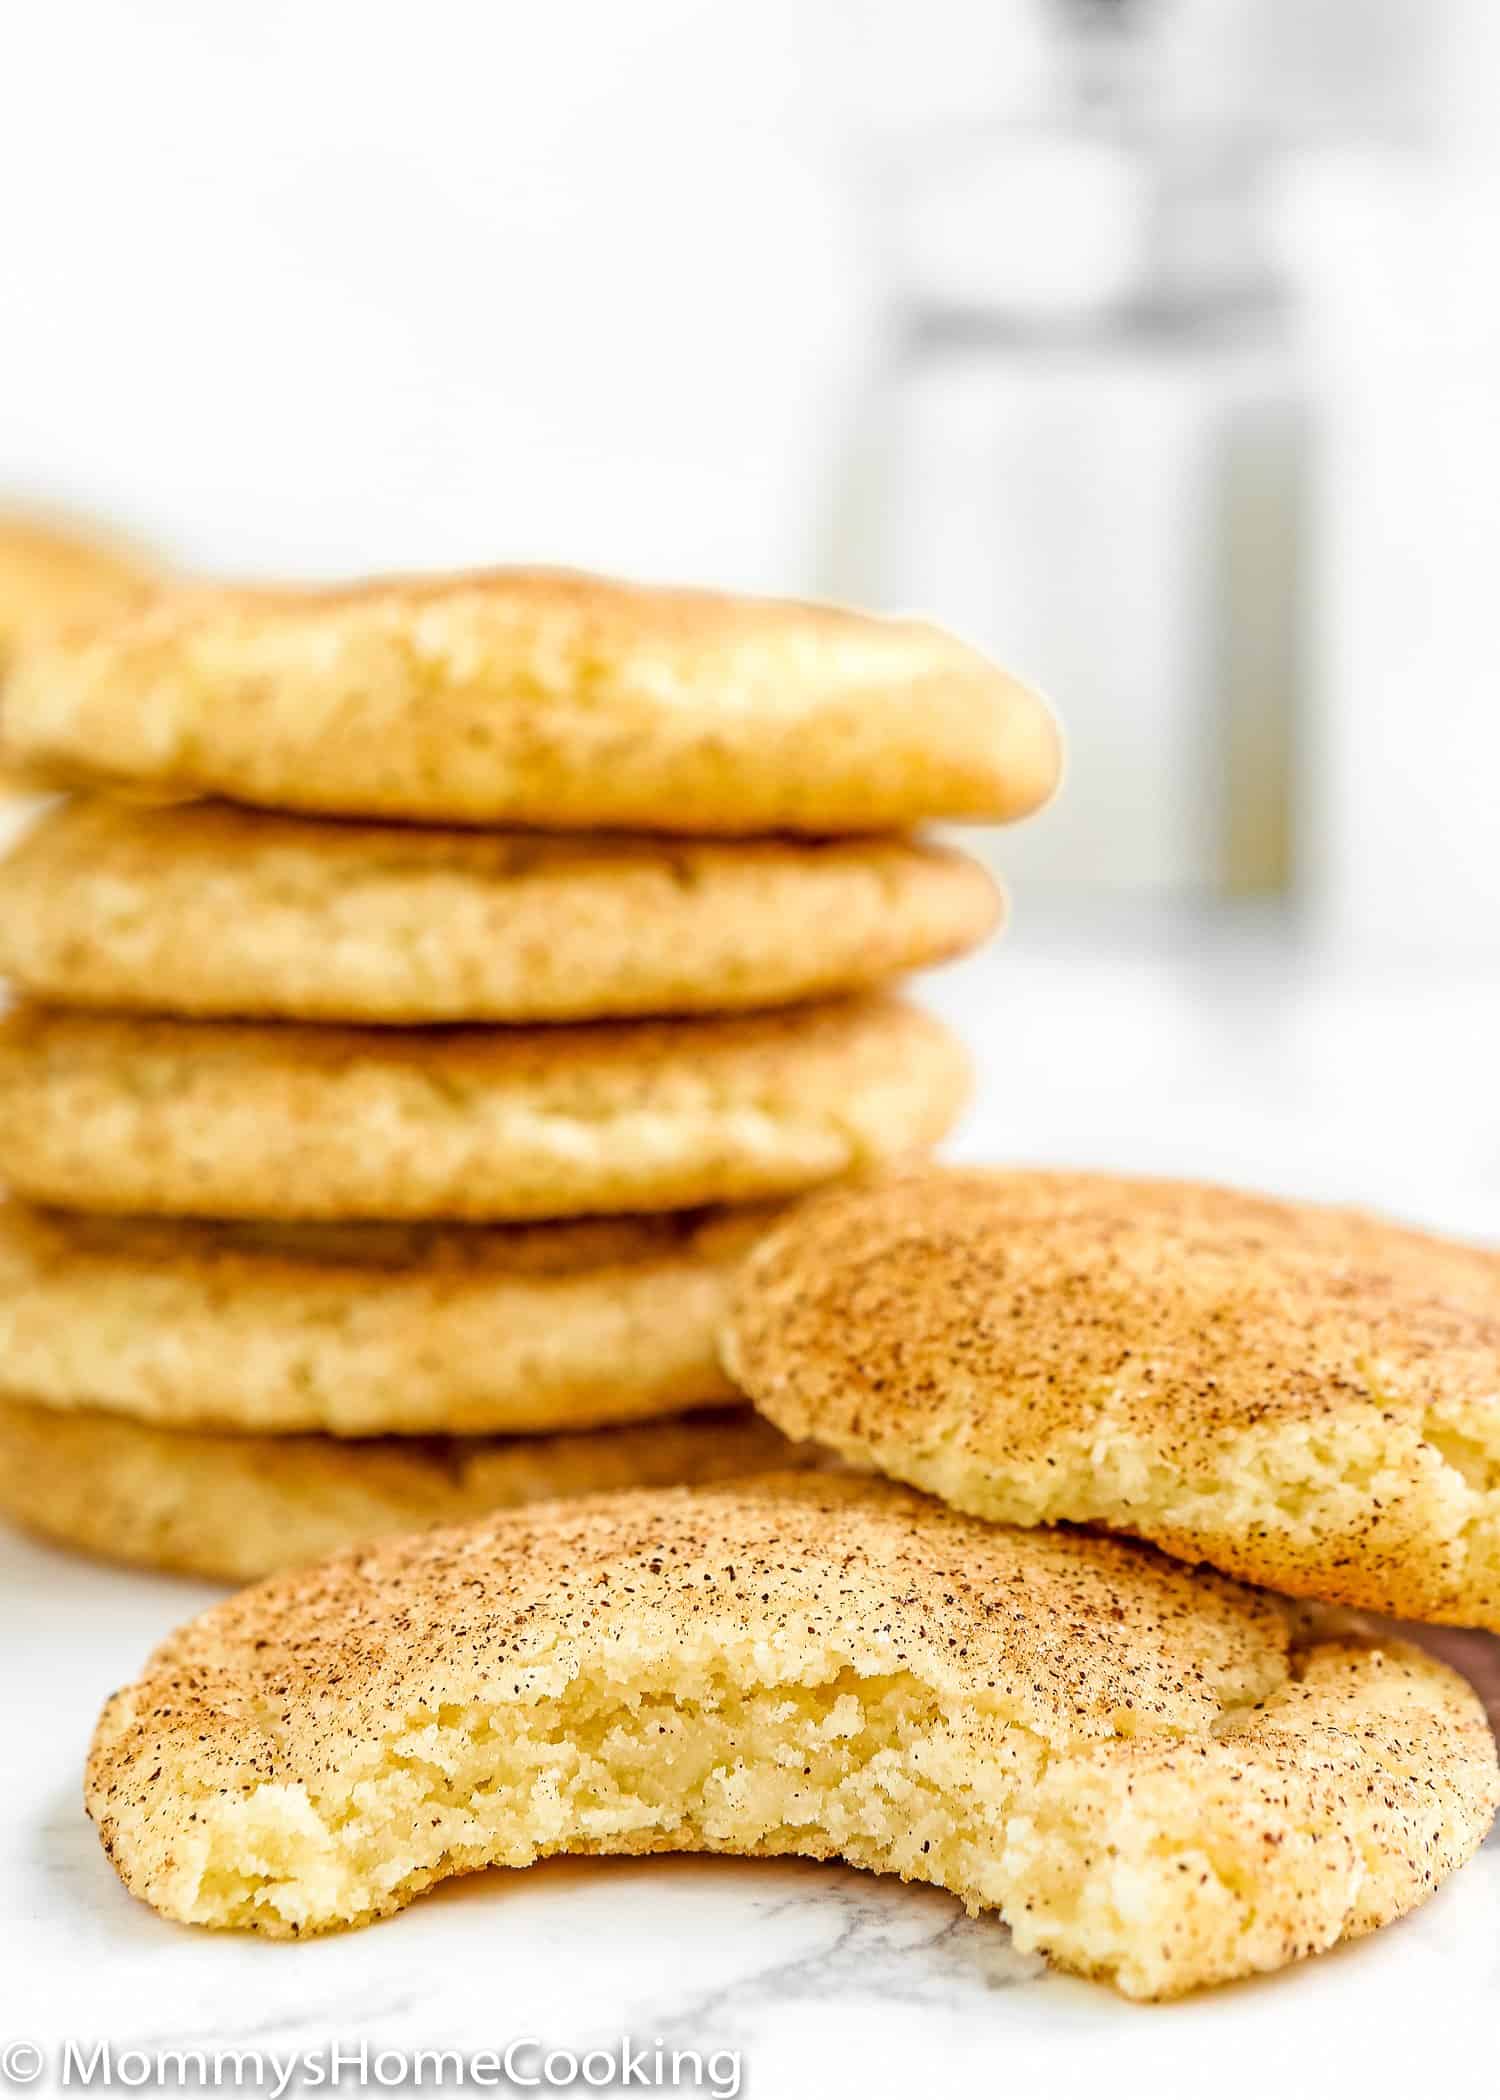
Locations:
(1085, 448)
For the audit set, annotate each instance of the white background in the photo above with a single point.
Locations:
(308, 289)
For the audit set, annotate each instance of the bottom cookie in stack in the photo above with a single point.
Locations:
(235, 1508)
(225, 1400)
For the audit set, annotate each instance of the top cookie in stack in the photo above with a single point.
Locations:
(338, 992)
(530, 697)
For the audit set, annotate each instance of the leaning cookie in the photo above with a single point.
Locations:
(234, 1120)
(1135, 1765)
(234, 1508)
(58, 576)
(55, 575)
(539, 698)
(209, 910)
(1304, 1397)
(369, 1330)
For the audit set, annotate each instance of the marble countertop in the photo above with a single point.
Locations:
(1232, 1057)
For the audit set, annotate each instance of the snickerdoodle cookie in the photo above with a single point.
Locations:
(238, 1120)
(543, 698)
(237, 1507)
(1147, 1772)
(210, 910)
(369, 1330)
(1307, 1398)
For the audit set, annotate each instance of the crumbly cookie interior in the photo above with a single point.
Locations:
(1158, 1860)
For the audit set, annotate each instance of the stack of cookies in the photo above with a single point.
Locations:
(430, 993)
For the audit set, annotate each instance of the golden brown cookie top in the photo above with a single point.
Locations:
(971, 1302)
(211, 910)
(586, 1068)
(364, 1330)
(1134, 1763)
(541, 697)
(216, 1119)
(1075, 1631)
(1305, 1397)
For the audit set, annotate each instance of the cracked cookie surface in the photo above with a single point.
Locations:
(1305, 1397)
(1150, 1773)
